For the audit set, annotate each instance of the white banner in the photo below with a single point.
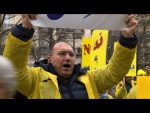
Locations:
(82, 21)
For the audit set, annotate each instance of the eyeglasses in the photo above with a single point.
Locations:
(64, 53)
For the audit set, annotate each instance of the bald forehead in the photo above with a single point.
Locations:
(61, 45)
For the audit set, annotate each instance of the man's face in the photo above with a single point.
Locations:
(63, 59)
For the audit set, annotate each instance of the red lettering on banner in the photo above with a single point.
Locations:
(86, 49)
(99, 42)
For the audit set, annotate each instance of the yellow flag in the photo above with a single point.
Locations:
(132, 71)
(143, 85)
(98, 48)
(86, 48)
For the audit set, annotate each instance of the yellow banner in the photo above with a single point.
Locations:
(132, 71)
(86, 48)
(98, 48)
(143, 85)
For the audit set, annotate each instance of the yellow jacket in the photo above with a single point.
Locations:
(31, 81)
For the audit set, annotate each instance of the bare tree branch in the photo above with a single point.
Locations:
(3, 32)
(2, 21)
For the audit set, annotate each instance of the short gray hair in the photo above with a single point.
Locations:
(7, 76)
(52, 45)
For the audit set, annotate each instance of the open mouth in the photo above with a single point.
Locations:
(66, 65)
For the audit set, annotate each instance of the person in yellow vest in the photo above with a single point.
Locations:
(121, 91)
(133, 92)
(61, 77)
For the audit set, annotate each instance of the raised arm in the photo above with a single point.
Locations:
(17, 49)
(121, 59)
